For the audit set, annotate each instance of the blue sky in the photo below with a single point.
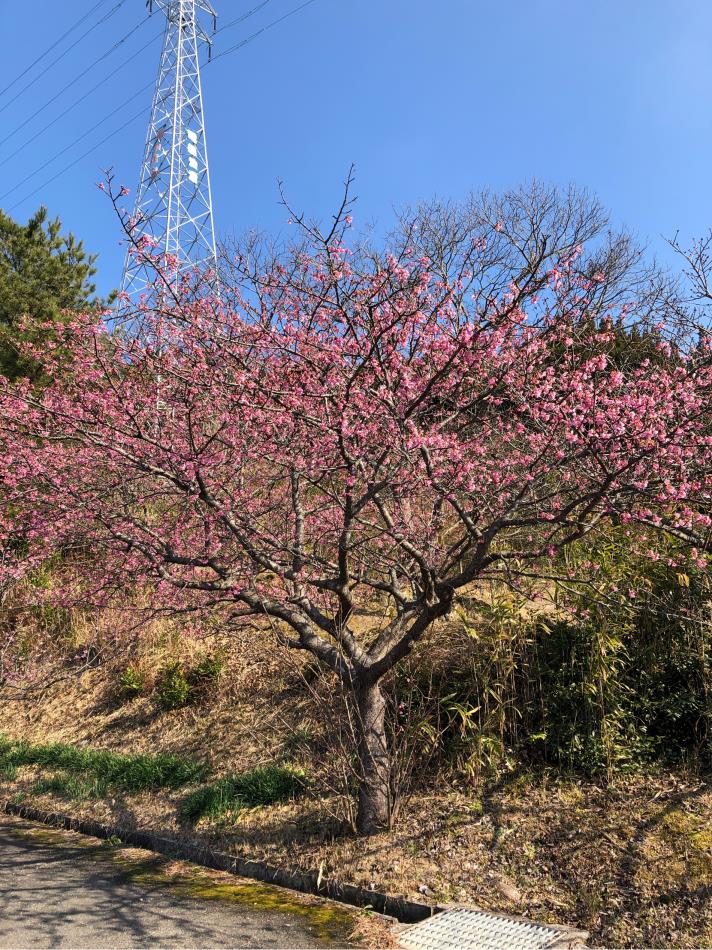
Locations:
(426, 97)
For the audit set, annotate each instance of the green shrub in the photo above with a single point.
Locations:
(173, 689)
(131, 683)
(204, 676)
(670, 673)
(209, 668)
(637, 669)
(179, 685)
(610, 683)
(586, 713)
(261, 786)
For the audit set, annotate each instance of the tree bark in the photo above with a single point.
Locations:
(374, 798)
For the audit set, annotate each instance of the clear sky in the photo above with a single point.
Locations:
(426, 97)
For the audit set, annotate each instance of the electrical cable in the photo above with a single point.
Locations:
(53, 46)
(241, 19)
(80, 138)
(81, 99)
(264, 29)
(73, 82)
(146, 110)
(54, 62)
(71, 165)
(77, 102)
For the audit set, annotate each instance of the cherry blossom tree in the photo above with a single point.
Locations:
(347, 430)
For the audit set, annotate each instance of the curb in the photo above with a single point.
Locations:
(306, 882)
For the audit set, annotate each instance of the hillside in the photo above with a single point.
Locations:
(630, 860)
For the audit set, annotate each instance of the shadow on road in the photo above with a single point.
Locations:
(54, 892)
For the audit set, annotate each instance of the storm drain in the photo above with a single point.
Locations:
(464, 929)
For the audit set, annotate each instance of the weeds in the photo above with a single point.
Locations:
(74, 787)
(126, 773)
(173, 690)
(132, 683)
(85, 774)
(8, 771)
(299, 739)
(179, 685)
(209, 668)
(261, 786)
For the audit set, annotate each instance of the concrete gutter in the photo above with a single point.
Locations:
(306, 882)
(449, 930)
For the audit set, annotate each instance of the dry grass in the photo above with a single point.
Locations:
(631, 862)
(373, 932)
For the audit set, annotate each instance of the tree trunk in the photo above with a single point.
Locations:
(374, 797)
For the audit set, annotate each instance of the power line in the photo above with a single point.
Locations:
(73, 82)
(146, 110)
(264, 29)
(61, 56)
(81, 99)
(56, 43)
(241, 19)
(80, 138)
(66, 168)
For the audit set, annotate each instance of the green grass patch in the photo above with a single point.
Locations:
(74, 787)
(262, 786)
(126, 773)
(83, 774)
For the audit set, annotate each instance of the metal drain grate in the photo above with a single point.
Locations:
(464, 929)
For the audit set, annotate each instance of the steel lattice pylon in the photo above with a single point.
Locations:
(174, 200)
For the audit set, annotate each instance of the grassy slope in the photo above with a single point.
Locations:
(632, 863)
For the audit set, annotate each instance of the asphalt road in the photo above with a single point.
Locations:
(56, 893)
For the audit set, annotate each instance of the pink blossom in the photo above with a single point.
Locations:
(341, 432)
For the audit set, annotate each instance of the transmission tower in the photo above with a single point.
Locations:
(174, 201)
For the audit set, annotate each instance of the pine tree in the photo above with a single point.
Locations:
(44, 275)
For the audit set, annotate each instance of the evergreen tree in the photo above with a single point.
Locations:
(43, 275)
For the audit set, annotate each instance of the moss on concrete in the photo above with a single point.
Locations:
(331, 924)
